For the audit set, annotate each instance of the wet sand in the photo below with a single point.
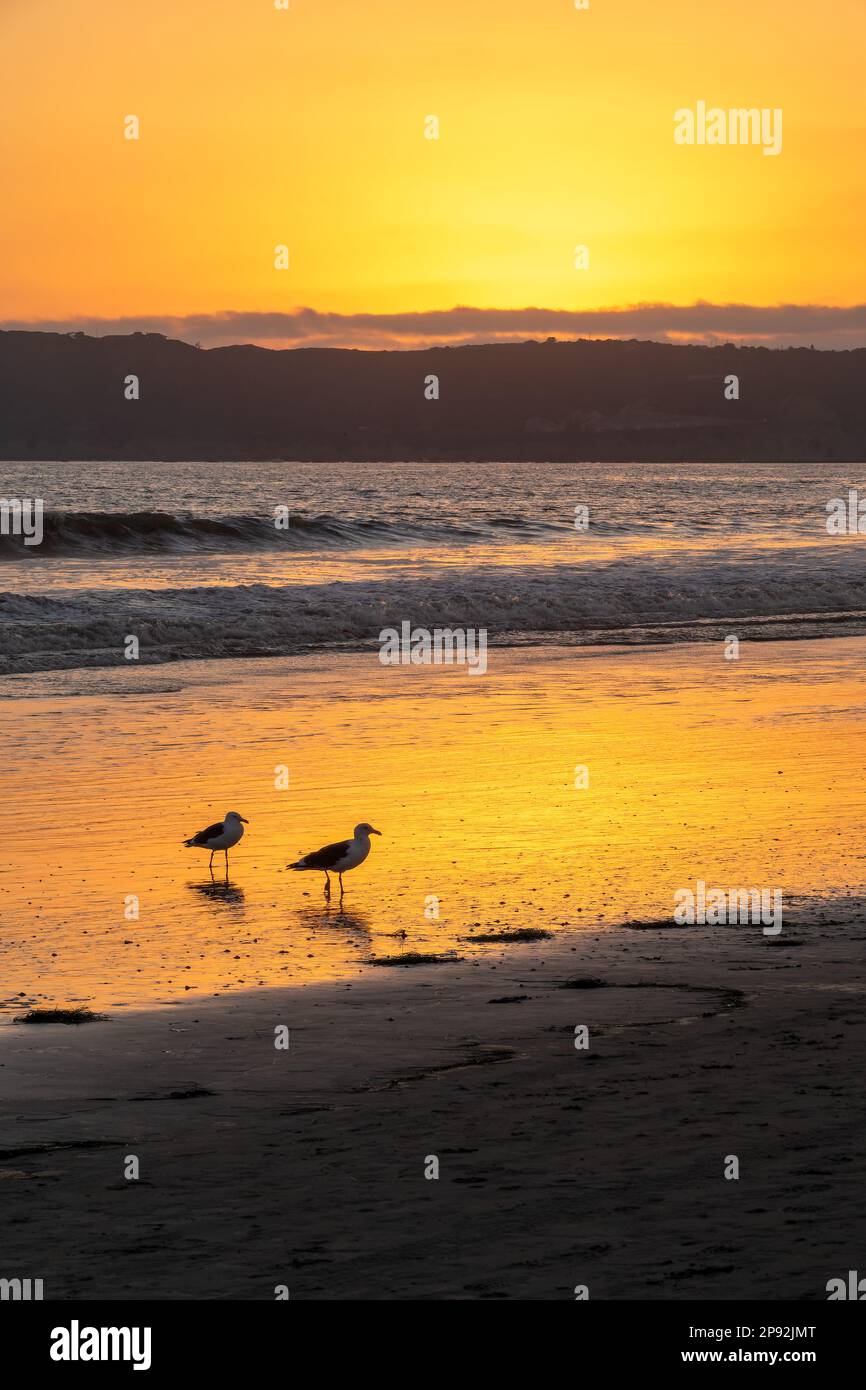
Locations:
(557, 1167)
(738, 773)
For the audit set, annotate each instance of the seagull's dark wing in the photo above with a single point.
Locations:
(210, 834)
(325, 858)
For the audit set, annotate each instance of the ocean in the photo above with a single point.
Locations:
(188, 557)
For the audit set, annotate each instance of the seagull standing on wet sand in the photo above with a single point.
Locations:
(224, 835)
(339, 857)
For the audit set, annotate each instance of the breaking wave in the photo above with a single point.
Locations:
(95, 533)
(642, 600)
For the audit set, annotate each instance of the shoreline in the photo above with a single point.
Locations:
(762, 630)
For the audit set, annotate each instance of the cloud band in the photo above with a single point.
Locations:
(780, 325)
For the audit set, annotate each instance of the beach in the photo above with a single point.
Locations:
(303, 1168)
(432, 651)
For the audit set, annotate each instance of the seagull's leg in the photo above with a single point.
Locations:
(327, 885)
(227, 863)
(210, 865)
(341, 887)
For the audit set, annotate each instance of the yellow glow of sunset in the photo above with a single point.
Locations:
(262, 126)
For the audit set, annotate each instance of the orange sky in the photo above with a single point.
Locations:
(260, 126)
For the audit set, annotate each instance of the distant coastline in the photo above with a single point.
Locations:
(65, 397)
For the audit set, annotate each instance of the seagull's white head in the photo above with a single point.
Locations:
(364, 831)
(235, 815)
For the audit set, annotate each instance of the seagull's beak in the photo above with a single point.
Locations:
(243, 819)
(375, 832)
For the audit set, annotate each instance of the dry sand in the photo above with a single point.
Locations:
(558, 1167)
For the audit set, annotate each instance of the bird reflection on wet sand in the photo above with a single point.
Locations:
(335, 920)
(220, 891)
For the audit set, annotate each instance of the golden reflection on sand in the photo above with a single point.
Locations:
(738, 773)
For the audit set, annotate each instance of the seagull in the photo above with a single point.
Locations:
(224, 835)
(339, 857)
